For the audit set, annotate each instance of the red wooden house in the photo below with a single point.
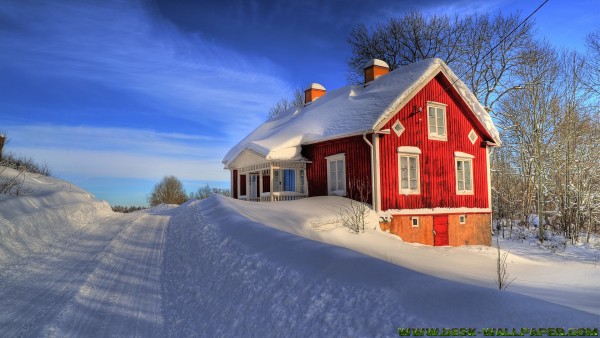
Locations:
(416, 138)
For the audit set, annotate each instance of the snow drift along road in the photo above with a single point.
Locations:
(212, 268)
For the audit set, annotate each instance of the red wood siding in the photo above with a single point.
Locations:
(242, 185)
(358, 163)
(235, 185)
(266, 179)
(437, 161)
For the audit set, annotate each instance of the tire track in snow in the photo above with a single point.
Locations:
(36, 289)
(121, 297)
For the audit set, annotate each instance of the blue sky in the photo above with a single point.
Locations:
(114, 95)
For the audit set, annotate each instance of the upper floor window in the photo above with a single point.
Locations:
(336, 175)
(436, 120)
(464, 173)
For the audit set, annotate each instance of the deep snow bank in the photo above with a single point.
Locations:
(47, 210)
(537, 273)
(226, 274)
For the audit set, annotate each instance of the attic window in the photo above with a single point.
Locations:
(472, 136)
(398, 128)
(436, 120)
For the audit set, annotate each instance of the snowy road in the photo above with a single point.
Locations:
(105, 282)
(203, 269)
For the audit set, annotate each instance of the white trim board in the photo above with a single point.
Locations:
(436, 211)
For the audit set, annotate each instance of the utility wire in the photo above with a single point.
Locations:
(496, 46)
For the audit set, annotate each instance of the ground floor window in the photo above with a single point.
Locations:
(284, 180)
(336, 174)
(301, 178)
(409, 173)
(464, 176)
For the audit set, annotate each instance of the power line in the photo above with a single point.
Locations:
(496, 46)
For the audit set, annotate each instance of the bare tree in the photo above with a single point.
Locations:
(593, 67)
(492, 50)
(482, 49)
(404, 40)
(528, 117)
(168, 191)
(203, 192)
(284, 104)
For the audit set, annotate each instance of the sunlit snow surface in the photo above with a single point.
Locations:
(221, 267)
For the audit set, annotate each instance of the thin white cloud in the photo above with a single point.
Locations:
(120, 152)
(126, 47)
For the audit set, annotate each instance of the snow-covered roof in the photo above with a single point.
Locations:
(350, 110)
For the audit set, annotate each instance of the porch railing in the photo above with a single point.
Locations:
(276, 198)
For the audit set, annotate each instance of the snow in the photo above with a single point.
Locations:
(462, 155)
(376, 62)
(409, 150)
(223, 267)
(347, 111)
(315, 85)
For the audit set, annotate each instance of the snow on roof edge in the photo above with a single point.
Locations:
(320, 121)
(472, 102)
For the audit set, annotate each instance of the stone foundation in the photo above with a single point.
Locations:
(475, 231)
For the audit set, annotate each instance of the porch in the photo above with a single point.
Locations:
(271, 181)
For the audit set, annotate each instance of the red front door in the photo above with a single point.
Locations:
(440, 230)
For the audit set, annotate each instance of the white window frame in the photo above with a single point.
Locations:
(438, 108)
(472, 136)
(413, 223)
(462, 219)
(253, 186)
(408, 153)
(464, 158)
(301, 179)
(331, 159)
(279, 180)
(402, 129)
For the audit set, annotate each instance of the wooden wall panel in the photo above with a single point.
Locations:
(476, 231)
(437, 166)
(402, 227)
(242, 185)
(358, 164)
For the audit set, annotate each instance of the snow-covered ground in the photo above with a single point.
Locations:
(221, 267)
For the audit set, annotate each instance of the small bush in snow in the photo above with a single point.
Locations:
(502, 275)
(12, 186)
(354, 216)
(22, 163)
(519, 233)
(124, 209)
(555, 243)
